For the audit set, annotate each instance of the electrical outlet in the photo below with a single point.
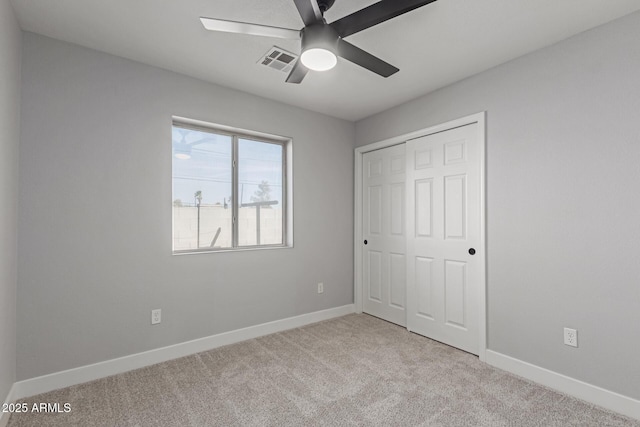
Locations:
(320, 287)
(156, 316)
(571, 337)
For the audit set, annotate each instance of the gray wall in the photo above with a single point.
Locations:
(10, 47)
(96, 141)
(563, 199)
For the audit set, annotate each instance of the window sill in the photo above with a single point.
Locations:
(227, 250)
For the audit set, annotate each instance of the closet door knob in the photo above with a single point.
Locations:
(365, 242)
(472, 251)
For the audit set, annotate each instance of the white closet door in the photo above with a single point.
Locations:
(443, 223)
(384, 261)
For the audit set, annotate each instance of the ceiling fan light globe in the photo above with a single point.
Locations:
(318, 59)
(182, 151)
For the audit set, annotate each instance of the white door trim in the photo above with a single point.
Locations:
(478, 118)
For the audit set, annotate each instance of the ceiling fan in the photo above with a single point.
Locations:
(322, 43)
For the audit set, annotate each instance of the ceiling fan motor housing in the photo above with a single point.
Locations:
(320, 36)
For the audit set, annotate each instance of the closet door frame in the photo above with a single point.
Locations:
(478, 118)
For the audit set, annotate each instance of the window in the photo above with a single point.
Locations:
(229, 189)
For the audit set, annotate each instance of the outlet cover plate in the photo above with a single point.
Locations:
(571, 337)
(156, 316)
(320, 287)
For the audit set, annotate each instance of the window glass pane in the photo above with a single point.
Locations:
(260, 193)
(202, 175)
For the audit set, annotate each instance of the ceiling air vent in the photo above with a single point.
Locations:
(278, 59)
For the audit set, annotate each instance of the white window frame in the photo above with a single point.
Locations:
(287, 186)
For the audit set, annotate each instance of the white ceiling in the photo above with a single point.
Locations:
(433, 46)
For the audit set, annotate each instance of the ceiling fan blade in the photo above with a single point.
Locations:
(358, 56)
(309, 11)
(247, 28)
(297, 73)
(374, 15)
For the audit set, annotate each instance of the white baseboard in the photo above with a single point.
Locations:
(95, 371)
(4, 416)
(588, 392)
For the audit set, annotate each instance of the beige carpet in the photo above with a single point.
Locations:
(354, 370)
